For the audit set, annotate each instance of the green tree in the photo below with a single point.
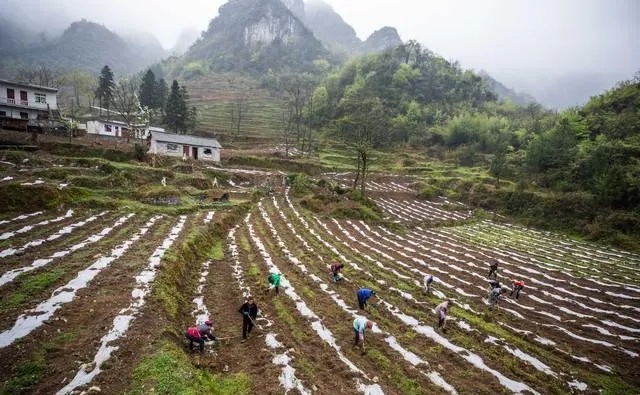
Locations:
(105, 89)
(173, 116)
(148, 91)
(162, 93)
(178, 117)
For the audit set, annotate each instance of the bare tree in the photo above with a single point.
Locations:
(126, 103)
(287, 121)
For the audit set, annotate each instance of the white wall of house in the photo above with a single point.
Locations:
(178, 150)
(37, 99)
(105, 128)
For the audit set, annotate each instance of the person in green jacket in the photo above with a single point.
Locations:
(274, 281)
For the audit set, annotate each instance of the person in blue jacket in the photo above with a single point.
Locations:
(363, 295)
(360, 324)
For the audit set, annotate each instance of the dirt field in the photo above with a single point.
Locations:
(80, 306)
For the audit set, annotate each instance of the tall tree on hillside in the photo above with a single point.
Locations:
(162, 92)
(178, 117)
(173, 118)
(297, 88)
(148, 91)
(362, 127)
(106, 86)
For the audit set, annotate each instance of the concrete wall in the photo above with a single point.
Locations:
(31, 104)
(176, 149)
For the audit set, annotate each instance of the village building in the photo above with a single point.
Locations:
(114, 128)
(184, 146)
(25, 105)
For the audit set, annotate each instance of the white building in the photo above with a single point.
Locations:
(119, 129)
(181, 145)
(26, 102)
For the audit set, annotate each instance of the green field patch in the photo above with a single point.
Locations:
(169, 371)
(28, 286)
(25, 375)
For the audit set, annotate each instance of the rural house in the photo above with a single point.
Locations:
(23, 105)
(113, 128)
(180, 145)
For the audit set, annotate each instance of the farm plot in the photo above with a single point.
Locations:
(71, 312)
(577, 344)
(376, 183)
(416, 211)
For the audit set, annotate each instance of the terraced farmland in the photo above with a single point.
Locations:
(82, 303)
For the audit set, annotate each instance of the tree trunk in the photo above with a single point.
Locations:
(355, 181)
(363, 181)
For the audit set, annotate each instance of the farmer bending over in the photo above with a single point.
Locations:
(360, 324)
(199, 334)
(428, 280)
(517, 287)
(274, 281)
(335, 271)
(363, 295)
(442, 310)
(494, 296)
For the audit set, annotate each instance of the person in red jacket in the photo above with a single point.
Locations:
(335, 271)
(199, 334)
(517, 287)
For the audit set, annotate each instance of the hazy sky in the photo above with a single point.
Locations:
(504, 37)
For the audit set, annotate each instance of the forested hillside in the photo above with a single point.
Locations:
(577, 170)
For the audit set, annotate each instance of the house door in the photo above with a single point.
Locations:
(11, 96)
(194, 150)
(23, 98)
(185, 151)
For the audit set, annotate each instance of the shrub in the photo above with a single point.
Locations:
(359, 213)
(140, 152)
(16, 197)
(426, 191)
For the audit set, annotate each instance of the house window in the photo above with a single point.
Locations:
(207, 151)
(107, 128)
(3, 113)
(41, 98)
(117, 127)
(172, 147)
(24, 115)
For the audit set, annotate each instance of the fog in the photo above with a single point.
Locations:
(527, 45)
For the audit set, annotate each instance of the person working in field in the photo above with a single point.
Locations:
(494, 284)
(517, 287)
(199, 334)
(274, 282)
(427, 281)
(249, 311)
(335, 272)
(493, 270)
(363, 295)
(442, 310)
(494, 296)
(360, 324)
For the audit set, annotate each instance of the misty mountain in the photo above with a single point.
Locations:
(84, 45)
(184, 41)
(257, 36)
(336, 34)
(505, 93)
(329, 27)
(565, 90)
(146, 47)
(381, 39)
